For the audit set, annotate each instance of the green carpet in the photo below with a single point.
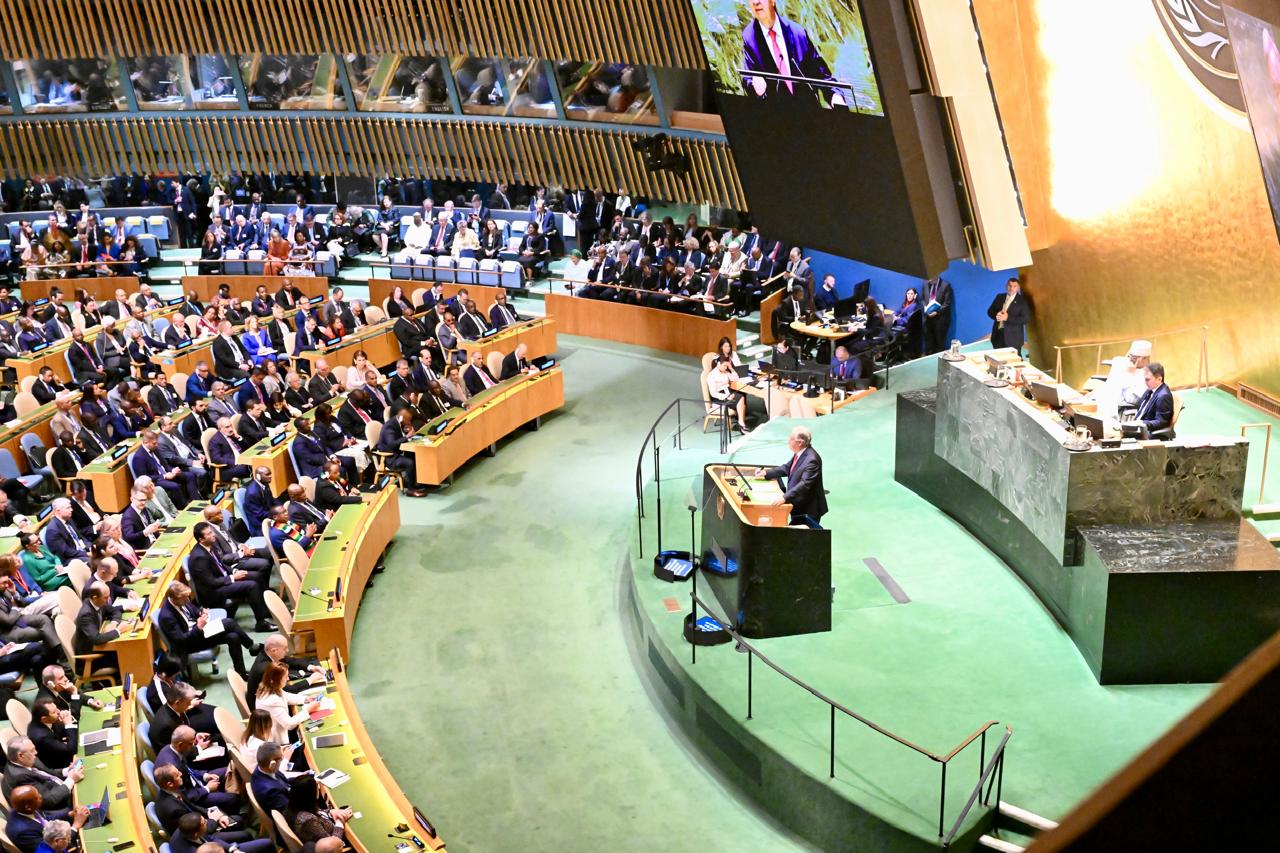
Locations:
(489, 661)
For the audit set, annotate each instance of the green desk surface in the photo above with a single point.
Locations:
(326, 560)
(107, 770)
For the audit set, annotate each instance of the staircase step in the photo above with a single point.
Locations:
(1263, 512)
(743, 340)
(756, 351)
(1026, 818)
(990, 842)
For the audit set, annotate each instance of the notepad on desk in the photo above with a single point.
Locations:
(213, 750)
(332, 778)
(213, 628)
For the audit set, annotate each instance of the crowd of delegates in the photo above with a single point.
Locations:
(75, 244)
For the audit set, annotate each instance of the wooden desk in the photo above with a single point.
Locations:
(493, 414)
(482, 294)
(245, 287)
(115, 770)
(185, 360)
(768, 305)
(135, 650)
(37, 422)
(538, 334)
(371, 790)
(632, 324)
(54, 356)
(827, 331)
(378, 342)
(101, 288)
(351, 545)
(823, 404)
(752, 498)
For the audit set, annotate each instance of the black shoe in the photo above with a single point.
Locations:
(416, 493)
(264, 625)
(255, 649)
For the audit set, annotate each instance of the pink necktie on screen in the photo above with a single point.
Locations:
(777, 58)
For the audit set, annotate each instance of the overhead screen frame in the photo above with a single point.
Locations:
(887, 216)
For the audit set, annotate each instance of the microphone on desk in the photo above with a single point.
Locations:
(746, 487)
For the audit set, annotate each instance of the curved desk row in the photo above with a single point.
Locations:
(538, 334)
(54, 356)
(115, 771)
(340, 566)
(245, 287)
(445, 443)
(673, 331)
(36, 421)
(378, 341)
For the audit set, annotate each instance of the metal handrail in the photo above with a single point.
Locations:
(651, 435)
(1202, 370)
(995, 765)
(942, 760)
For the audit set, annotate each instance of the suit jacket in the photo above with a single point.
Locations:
(350, 421)
(181, 633)
(89, 631)
(252, 432)
(305, 512)
(271, 791)
(309, 455)
(198, 387)
(163, 400)
(66, 461)
(511, 366)
(45, 392)
(193, 426)
(803, 60)
(133, 527)
(1014, 333)
(175, 336)
(471, 376)
(208, 577)
(65, 541)
(411, 334)
(257, 505)
(329, 497)
(321, 389)
(26, 832)
(938, 290)
(54, 794)
(171, 807)
(472, 326)
(220, 450)
(804, 484)
(145, 464)
(1155, 408)
(228, 356)
(56, 745)
(299, 398)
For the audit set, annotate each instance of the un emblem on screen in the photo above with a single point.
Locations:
(1198, 31)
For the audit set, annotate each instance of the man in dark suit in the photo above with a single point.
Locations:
(411, 333)
(172, 807)
(303, 512)
(258, 498)
(46, 386)
(25, 768)
(86, 364)
(322, 386)
(1009, 314)
(224, 448)
(55, 734)
(1155, 406)
(477, 376)
(28, 817)
(304, 672)
(217, 587)
(501, 314)
(353, 415)
(182, 622)
(515, 362)
(499, 200)
(424, 371)
(252, 390)
(401, 379)
(93, 622)
(396, 432)
(196, 422)
(331, 490)
(62, 537)
(937, 299)
(308, 454)
(773, 44)
(471, 322)
(183, 486)
(201, 779)
(200, 382)
(229, 356)
(138, 524)
(804, 478)
(162, 397)
(235, 555)
(253, 427)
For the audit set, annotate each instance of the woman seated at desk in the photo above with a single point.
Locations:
(719, 386)
(273, 699)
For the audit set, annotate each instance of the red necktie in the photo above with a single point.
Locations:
(794, 460)
(781, 63)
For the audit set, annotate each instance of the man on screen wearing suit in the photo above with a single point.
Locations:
(804, 478)
(775, 45)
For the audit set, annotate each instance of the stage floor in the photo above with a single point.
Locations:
(972, 644)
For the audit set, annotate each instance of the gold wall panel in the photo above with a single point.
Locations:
(1144, 191)
(546, 155)
(656, 32)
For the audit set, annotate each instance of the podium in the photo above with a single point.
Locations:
(773, 579)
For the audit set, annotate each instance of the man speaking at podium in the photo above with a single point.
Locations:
(775, 45)
(803, 477)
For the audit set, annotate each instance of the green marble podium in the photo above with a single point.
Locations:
(1139, 551)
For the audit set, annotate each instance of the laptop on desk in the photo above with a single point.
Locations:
(1053, 394)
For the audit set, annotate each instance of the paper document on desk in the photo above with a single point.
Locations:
(213, 628)
(213, 750)
(332, 778)
(570, 228)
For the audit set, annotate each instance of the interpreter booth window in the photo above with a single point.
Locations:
(6, 104)
(511, 87)
(399, 84)
(606, 91)
(213, 87)
(69, 85)
(159, 82)
(295, 82)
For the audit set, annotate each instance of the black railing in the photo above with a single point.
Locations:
(985, 769)
(651, 437)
